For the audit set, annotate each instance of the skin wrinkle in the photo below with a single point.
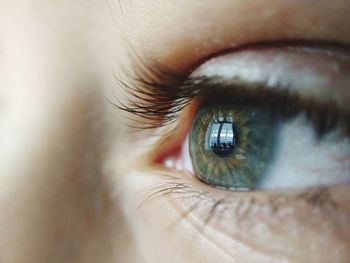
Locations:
(318, 199)
(243, 214)
(200, 230)
(186, 219)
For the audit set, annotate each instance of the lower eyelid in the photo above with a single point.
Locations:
(242, 216)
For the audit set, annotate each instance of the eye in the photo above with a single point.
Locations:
(269, 119)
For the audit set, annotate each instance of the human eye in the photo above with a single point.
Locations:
(255, 138)
(264, 123)
(257, 116)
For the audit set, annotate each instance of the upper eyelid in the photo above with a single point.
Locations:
(157, 94)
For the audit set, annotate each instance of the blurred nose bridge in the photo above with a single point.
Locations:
(51, 192)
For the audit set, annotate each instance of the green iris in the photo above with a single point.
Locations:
(231, 146)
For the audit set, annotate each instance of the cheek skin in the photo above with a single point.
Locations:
(304, 227)
(161, 235)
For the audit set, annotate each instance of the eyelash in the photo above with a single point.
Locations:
(158, 97)
(239, 205)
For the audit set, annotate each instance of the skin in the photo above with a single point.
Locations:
(66, 192)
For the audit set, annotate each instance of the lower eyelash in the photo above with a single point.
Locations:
(170, 185)
(239, 206)
(173, 188)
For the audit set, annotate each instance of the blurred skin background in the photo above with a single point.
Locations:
(70, 190)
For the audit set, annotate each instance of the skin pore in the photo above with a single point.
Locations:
(77, 184)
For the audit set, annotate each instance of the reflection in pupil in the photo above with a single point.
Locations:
(222, 137)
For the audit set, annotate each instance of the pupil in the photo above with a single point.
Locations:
(222, 137)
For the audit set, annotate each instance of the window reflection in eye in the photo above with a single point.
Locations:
(237, 164)
(222, 137)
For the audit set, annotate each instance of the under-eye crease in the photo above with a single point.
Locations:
(229, 211)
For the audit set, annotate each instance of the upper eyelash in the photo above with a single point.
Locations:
(158, 95)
